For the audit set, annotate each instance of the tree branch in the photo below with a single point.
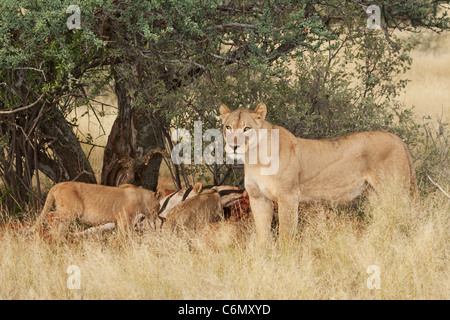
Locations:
(25, 107)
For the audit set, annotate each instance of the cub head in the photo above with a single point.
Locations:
(240, 129)
(151, 203)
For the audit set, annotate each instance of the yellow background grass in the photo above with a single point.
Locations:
(429, 89)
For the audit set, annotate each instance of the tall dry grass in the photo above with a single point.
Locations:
(429, 89)
(329, 259)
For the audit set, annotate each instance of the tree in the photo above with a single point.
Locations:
(40, 68)
(169, 58)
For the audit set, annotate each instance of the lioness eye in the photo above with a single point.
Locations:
(246, 129)
(228, 127)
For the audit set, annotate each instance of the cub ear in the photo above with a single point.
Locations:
(197, 187)
(260, 111)
(224, 112)
(160, 193)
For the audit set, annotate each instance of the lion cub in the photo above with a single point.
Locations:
(96, 205)
(195, 213)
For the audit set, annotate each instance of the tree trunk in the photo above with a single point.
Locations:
(132, 136)
(146, 141)
(68, 162)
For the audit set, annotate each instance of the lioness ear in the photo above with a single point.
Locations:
(260, 111)
(197, 187)
(224, 112)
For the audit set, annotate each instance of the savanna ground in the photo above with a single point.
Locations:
(408, 243)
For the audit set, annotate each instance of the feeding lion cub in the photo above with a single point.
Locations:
(308, 170)
(96, 205)
(195, 213)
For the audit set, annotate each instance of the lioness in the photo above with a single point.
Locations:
(308, 170)
(96, 205)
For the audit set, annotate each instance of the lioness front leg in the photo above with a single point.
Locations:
(262, 209)
(288, 218)
(123, 223)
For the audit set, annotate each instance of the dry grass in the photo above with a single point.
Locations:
(328, 260)
(429, 89)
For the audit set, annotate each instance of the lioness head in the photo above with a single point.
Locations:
(240, 129)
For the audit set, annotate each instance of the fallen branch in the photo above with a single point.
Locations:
(95, 230)
(109, 226)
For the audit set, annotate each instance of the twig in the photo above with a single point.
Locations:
(81, 173)
(35, 69)
(24, 107)
(440, 188)
(233, 25)
(93, 144)
(389, 40)
(187, 61)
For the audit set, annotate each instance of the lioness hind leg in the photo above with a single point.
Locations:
(262, 210)
(59, 223)
(373, 182)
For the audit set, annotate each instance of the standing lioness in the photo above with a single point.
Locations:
(96, 205)
(308, 170)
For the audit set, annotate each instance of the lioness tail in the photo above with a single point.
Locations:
(47, 207)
